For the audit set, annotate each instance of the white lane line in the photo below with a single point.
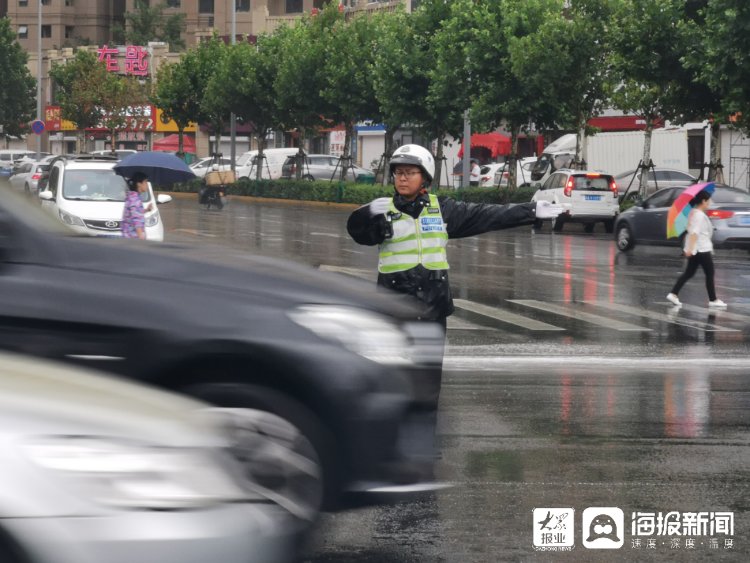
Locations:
(580, 276)
(455, 323)
(720, 313)
(503, 315)
(469, 363)
(674, 319)
(598, 320)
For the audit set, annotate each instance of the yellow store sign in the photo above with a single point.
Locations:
(161, 124)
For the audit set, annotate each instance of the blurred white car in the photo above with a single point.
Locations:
(487, 173)
(97, 469)
(204, 165)
(523, 173)
(87, 195)
(26, 177)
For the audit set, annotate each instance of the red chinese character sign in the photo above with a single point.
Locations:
(136, 59)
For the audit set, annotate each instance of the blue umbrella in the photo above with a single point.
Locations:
(160, 167)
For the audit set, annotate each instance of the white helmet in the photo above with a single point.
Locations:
(415, 155)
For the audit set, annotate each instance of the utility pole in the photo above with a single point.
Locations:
(39, 78)
(232, 117)
(466, 164)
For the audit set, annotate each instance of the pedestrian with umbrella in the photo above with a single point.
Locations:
(159, 167)
(689, 212)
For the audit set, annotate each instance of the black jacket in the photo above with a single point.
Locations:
(462, 220)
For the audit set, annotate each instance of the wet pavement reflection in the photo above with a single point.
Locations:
(569, 383)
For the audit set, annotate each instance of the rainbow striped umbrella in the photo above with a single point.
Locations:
(677, 218)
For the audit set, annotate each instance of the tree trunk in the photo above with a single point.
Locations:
(180, 146)
(646, 155)
(387, 151)
(715, 173)
(514, 132)
(345, 158)
(259, 158)
(438, 162)
(580, 145)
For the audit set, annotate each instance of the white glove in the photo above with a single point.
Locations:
(380, 206)
(547, 210)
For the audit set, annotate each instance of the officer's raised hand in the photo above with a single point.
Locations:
(546, 210)
(380, 206)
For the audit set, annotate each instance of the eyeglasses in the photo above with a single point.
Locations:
(408, 174)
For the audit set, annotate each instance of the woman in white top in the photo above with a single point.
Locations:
(698, 249)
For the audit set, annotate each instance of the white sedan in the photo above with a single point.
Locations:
(202, 166)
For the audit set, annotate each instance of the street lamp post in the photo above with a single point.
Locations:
(39, 78)
(232, 117)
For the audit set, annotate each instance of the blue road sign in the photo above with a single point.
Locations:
(37, 126)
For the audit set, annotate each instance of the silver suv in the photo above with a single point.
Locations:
(656, 179)
(321, 167)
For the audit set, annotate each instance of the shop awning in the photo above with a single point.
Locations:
(170, 143)
(496, 143)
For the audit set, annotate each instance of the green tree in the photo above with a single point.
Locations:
(716, 47)
(349, 89)
(18, 87)
(150, 23)
(172, 94)
(393, 83)
(300, 81)
(645, 62)
(78, 91)
(121, 101)
(202, 64)
(245, 82)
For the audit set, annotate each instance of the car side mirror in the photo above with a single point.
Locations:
(163, 198)
(46, 195)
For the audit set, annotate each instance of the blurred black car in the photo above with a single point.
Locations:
(646, 222)
(346, 375)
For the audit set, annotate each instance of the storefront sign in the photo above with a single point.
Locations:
(164, 125)
(136, 59)
(54, 122)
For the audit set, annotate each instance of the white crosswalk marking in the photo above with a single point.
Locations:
(503, 315)
(674, 319)
(573, 313)
(720, 313)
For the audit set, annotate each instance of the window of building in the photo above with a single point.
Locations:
(293, 6)
(243, 5)
(23, 3)
(206, 6)
(46, 31)
(23, 31)
(69, 2)
(173, 3)
(69, 29)
(46, 2)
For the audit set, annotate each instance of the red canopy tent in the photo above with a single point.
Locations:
(496, 143)
(170, 143)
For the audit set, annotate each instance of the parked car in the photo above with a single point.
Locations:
(203, 165)
(99, 469)
(523, 173)
(27, 177)
(488, 172)
(273, 160)
(646, 222)
(321, 167)
(589, 197)
(87, 195)
(655, 179)
(353, 374)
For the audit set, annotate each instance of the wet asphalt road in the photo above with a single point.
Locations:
(569, 383)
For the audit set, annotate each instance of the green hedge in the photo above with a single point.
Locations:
(349, 192)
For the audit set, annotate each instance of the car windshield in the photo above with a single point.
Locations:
(96, 185)
(541, 165)
(244, 159)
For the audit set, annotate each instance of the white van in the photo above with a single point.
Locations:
(270, 168)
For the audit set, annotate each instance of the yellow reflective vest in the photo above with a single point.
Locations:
(415, 241)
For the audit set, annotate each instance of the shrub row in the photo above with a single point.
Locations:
(349, 192)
